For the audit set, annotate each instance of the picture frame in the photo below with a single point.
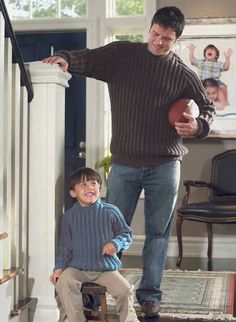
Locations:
(221, 33)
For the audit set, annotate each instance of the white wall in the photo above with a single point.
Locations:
(202, 8)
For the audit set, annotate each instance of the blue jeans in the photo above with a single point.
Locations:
(160, 184)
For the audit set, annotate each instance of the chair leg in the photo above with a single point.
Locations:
(179, 222)
(104, 313)
(209, 251)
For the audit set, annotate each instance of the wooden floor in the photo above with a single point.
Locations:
(188, 264)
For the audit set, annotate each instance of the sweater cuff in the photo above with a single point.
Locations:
(60, 265)
(117, 246)
(203, 129)
(62, 54)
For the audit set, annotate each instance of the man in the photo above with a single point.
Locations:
(144, 80)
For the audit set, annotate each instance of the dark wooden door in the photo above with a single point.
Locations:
(35, 47)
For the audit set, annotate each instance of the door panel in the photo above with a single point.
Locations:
(35, 47)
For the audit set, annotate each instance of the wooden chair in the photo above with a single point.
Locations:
(221, 205)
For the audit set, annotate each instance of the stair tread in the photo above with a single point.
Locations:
(23, 305)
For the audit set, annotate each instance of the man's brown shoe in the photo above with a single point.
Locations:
(150, 308)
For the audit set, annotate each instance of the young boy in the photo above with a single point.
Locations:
(92, 232)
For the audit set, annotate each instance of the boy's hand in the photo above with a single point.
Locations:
(55, 275)
(109, 249)
(57, 60)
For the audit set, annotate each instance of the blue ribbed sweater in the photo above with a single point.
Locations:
(84, 232)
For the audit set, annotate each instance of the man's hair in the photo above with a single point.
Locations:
(170, 17)
(83, 174)
(210, 82)
(210, 46)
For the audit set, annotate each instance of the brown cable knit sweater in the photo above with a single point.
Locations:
(142, 87)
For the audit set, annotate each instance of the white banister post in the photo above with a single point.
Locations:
(46, 182)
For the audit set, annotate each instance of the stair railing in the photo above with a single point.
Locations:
(25, 80)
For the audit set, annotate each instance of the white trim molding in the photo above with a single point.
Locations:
(223, 247)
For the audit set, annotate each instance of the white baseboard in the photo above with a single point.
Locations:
(223, 247)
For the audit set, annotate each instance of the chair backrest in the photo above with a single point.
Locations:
(223, 177)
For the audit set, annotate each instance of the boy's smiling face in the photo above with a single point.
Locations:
(86, 192)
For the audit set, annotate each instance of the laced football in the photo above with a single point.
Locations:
(177, 109)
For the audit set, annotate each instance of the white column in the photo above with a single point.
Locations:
(46, 182)
(2, 52)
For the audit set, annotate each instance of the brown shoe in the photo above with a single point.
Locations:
(150, 308)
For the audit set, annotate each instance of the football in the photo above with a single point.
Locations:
(177, 109)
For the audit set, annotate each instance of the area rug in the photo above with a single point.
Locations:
(189, 294)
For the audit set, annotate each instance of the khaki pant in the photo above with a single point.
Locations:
(69, 285)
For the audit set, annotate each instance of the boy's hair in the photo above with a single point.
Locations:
(210, 46)
(210, 82)
(170, 17)
(83, 174)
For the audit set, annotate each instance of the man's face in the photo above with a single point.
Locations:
(161, 40)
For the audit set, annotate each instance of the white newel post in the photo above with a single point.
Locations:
(46, 182)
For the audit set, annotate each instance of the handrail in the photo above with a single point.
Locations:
(25, 81)
(3, 236)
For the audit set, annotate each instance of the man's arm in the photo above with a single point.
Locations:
(197, 126)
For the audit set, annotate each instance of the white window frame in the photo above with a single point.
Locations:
(58, 9)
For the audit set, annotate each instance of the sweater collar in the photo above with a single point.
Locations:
(159, 57)
(78, 205)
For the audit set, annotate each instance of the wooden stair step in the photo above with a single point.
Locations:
(24, 305)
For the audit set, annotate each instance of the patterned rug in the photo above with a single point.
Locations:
(189, 294)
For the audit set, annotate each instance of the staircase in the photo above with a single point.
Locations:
(15, 93)
(31, 180)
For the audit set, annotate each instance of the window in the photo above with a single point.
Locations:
(27, 9)
(18, 9)
(134, 38)
(44, 9)
(73, 8)
(129, 7)
(125, 7)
